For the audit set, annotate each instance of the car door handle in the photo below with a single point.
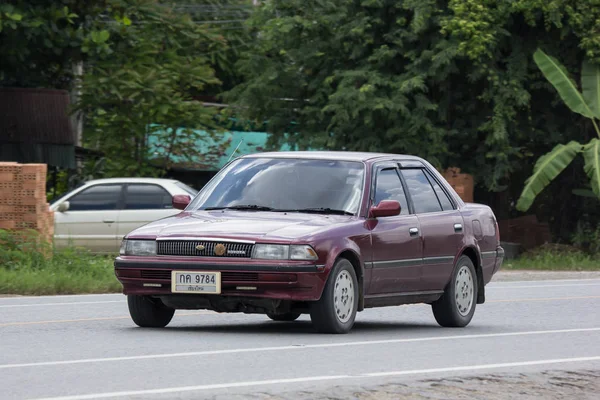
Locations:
(106, 221)
(413, 231)
(457, 227)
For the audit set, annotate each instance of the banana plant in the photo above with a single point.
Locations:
(586, 103)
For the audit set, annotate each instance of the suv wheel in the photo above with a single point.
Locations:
(147, 312)
(336, 310)
(456, 307)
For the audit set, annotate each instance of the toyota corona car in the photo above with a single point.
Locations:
(322, 233)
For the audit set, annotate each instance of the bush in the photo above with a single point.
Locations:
(29, 265)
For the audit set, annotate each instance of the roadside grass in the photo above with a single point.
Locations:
(554, 261)
(29, 266)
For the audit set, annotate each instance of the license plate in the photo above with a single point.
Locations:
(203, 282)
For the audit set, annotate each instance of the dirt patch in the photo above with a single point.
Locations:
(581, 385)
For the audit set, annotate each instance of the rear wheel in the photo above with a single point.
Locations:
(456, 307)
(147, 312)
(336, 310)
(285, 317)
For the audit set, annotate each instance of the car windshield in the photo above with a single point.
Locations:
(278, 184)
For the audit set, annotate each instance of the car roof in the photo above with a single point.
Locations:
(131, 180)
(331, 155)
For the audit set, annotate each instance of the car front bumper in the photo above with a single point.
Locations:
(294, 282)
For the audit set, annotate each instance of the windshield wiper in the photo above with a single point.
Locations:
(249, 207)
(320, 210)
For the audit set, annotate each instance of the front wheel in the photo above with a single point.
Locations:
(456, 307)
(336, 310)
(147, 312)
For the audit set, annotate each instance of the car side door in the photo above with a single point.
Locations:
(396, 243)
(144, 203)
(441, 226)
(91, 219)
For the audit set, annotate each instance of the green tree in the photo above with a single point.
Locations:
(586, 103)
(140, 101)
(41, 40)
(451, 81)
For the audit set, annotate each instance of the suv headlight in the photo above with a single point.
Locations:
(284, 252)
(138, 248)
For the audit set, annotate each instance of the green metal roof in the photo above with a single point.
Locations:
(248, 142)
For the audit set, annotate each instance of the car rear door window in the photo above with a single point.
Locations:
(97, 197)
(147, 197)
(389, 187)
(421, 192)
(442, 196)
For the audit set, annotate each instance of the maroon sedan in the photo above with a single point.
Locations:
(323, 233)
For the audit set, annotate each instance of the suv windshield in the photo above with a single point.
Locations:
(265, 184)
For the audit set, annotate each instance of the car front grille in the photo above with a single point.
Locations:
(225, 275)
(196, 248)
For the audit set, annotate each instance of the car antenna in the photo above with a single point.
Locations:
(238, 146)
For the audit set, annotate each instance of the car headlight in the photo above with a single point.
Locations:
(138, 248)
(284, 252)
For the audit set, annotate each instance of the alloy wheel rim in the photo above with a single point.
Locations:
(343, 296)
(464, 290)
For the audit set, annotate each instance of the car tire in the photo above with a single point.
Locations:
(336, 311)
(147, 312)
(285, 317)
(456, 307)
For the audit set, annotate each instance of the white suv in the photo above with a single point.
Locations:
(99, 213)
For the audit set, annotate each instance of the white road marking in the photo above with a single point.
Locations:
(295, 347)
(61, 296)
(541, 286)
(545, 281)
(231, 385)
(60, 304)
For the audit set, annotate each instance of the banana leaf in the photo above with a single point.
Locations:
(546, 169)
(590, 83)
(558, 76)
(591, 155)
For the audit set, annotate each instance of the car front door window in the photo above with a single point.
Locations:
(96, 198)
(389, 187)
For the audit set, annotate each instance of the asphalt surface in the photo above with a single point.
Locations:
(86, 347)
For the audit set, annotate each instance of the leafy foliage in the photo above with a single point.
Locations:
(139, 102)
(550, 165)
(546, 169)
(558, 76)
(591, 154)
(452, 81)
(147, 67)
(41, 40)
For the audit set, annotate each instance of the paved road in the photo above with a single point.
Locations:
(86, 347)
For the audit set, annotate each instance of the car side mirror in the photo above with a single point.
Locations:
(181, 201)
(386, 208)
(64, 206)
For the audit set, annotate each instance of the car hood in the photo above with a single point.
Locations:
(250, 225)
